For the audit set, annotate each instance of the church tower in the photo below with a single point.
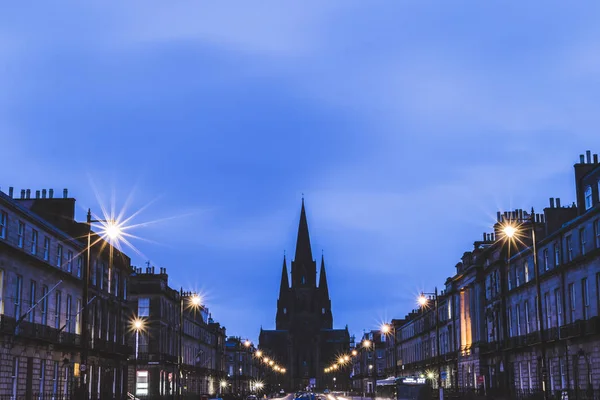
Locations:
(303, 299)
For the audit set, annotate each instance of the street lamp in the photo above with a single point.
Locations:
(195, 303)
(369, 345)
(113, 231)
(390, 332)
(137, 326)
(511, 231)
(423, 302)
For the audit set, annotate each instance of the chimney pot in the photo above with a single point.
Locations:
(557, 202)
(43, 193)
(10, 191)
(498, 216)
(37, 194)
(50, 193)
(65, 193)
(551, 202)
(28, 193)
(595, 158)
(484, 236)
(153, 269)
(22, 193)
(493, 235)
(581, 159)
(588, 156)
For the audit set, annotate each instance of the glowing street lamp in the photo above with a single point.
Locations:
(366, 343)
(247, 343)
(385, 329)
(258, 353)
(354, 353)
(423, 302)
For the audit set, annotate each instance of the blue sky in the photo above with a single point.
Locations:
(406, 124)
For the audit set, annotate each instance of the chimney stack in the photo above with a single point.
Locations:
(22, 193)
(153, 269)
(37, 194)
(65, 193)
(10, 191)
(50, 193)
(28, 193)
(43, 193)
(595, 158)
(557, 202)
(581, 159)
(498, 216)
(588, 156)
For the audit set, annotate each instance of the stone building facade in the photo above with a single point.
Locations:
(42, 260)
(158, 343)
(491, 338)
(243, 367)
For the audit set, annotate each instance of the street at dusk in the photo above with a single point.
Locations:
(302, 200)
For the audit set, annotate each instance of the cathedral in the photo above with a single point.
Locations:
(304, 340)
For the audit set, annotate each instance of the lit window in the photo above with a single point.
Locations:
(21, 234)
(3, 222)
(526, 269)
(141, 383)
(556, 254)
(546, 263)
(79, 266)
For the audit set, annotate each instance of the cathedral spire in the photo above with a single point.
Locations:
(303, 251)
(285, 284)
(323, 278)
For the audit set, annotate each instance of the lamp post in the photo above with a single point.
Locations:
(370, 346)
(389, 330)
(113, 231)
(511, 230)
(423, 302)
(194, 302)
(137, 326)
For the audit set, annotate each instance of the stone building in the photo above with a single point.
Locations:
(242, 366)
(158, 343)
(42, 261)
(368, 363)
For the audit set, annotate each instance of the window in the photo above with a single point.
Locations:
(32, 289)
(34, 240)
(556, 254)
(558, 307)
(588, 197)
(518, 319)
(585, 298)
(66, 380)
(78, 318)
(546, 262)
(45, 305)
(93, 272)
(510, 325)
(322, 311)
(527, 328)
(526, 269)
(18, 294)
(41, 388)
(597, 232)
(59, 254)
(101, 277)
(547, 306)
(109, 276)
(69, 261)
(68, 314)
(124, 288)
(3, 224)
(79, 265)
(15, 377)
(21, 234)
(57, 308)
(46, 248)
(143, 307)
(55, 381)
(116, 283)
(303, 280)
(517, 278)
(141, 383)
(535, 317)
(569, 248)
(572, 301)
(597, 290)
(582, 241)
(1, 291)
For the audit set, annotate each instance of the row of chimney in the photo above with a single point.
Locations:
(26, 193)
(588, 158)
(151, 270)
(521, 216)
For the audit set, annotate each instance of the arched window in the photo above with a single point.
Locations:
(588, 197)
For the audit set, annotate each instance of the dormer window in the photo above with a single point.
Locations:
(588, 197)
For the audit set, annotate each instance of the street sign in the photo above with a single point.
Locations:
(443, 375)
